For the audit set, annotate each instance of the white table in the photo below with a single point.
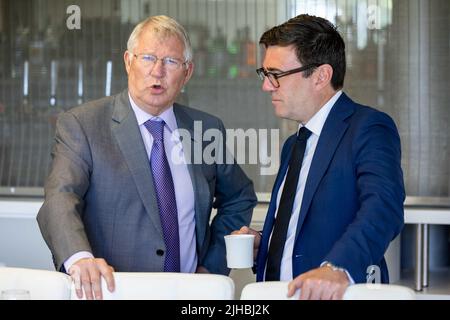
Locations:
(422, 218)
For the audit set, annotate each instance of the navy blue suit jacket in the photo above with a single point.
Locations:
(352, 206)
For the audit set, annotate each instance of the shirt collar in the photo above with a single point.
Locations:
(316, 123)
(168, 116)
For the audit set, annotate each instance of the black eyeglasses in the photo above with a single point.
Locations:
(274, 76)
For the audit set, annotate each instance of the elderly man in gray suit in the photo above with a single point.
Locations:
(116, 199)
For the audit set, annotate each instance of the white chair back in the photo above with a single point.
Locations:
(42, 284)
(373, 291)
(277, 290)
(167, 286)
(269, 290)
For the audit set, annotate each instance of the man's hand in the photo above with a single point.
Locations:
(322, 283)
(256, 243)
(201, 269)
(86, 274)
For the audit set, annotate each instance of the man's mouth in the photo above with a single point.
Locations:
(157, 88)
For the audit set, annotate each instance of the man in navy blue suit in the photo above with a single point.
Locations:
(337, 201)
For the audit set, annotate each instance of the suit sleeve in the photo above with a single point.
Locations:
(235, 199)
(379, 181)
(60, 216)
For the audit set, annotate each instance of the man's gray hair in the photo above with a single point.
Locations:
(166, 27)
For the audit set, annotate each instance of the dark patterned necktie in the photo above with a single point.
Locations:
(165, 195)
(281, 224)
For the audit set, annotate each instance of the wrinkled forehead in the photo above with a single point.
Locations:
(160, 44)
(153, 38)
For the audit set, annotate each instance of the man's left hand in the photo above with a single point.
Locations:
(322, 283)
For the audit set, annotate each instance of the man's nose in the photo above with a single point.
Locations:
(267, 86)
(158, 69)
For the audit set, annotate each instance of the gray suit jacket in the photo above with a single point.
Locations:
(99, 195)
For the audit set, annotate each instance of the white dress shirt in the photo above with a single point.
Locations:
(184, 190)
(315, 125)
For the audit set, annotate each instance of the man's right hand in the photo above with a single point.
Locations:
(247, 230)
(86, 274)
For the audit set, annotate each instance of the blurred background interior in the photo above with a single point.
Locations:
(398, 61)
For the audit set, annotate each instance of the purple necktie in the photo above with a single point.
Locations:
(165, 195)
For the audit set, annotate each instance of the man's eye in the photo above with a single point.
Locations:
(148, 58)
(272, 75)
(171, 61)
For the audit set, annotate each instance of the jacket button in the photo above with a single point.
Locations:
(160, 252)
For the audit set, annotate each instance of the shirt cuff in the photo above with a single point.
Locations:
(75, 257)
(350, 279)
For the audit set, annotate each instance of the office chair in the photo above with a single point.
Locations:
(167, 286)
(269, 290)
(373, 291)
(41, 284)
(277, 290)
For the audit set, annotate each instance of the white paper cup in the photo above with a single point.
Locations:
(239, 250)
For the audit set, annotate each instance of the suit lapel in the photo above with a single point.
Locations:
(199, 183)
(126, 131)
(332, 132)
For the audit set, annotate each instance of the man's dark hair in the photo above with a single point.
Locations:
(316, 41)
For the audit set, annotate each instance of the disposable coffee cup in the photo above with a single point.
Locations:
(239, 250)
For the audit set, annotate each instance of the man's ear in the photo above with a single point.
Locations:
(324, 74)
(189, 71)
(127, 60)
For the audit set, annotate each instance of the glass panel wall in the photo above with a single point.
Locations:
(398, 62)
